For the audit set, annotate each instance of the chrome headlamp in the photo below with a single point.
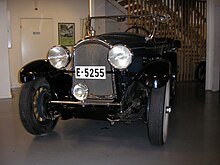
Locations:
(120, 57)
(59, 57)
(80, 92)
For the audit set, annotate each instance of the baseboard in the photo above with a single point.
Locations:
(15, 85)
(8, 96)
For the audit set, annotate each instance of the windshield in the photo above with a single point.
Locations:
(144, 25)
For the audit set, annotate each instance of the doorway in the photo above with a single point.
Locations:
(36, 38)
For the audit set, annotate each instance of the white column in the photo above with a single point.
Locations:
(216, 64)
(5, 91)
(98, 9)
(213, 46)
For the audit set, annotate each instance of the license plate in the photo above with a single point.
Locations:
(90, 72)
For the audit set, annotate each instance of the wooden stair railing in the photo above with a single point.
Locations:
(188, 24)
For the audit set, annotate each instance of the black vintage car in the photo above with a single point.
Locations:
(118, 76)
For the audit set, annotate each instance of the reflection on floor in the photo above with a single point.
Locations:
(193, 138)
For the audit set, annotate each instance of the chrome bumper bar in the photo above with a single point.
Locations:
(84, 103)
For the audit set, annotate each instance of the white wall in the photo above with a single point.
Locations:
(73, 11)
(59, 10)
(107, 8)
(113, 8)
(213, 46)
(5, 91)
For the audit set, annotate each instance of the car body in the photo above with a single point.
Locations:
(118, 76)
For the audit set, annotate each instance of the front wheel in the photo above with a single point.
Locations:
(33, 108)
(158, 115)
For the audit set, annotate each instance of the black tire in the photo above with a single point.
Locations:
(158, 115)
(33, 107)
(200, 72)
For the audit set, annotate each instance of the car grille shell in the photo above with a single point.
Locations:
(94, 52)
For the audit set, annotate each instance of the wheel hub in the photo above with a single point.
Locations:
(168, 109)
(42, 97)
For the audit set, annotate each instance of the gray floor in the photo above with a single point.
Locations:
(194, 136)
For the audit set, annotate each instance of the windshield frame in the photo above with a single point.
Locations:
(154, 18)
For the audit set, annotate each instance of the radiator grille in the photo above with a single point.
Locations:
(94, 53)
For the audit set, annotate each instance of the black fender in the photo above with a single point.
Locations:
(59, 80)
(156, 73)
(172, 57)
(35, 69)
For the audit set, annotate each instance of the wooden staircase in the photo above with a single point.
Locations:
(187, 24)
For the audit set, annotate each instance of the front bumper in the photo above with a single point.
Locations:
(83, 104)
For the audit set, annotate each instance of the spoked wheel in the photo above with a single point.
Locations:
(158, 116)
(33, 107)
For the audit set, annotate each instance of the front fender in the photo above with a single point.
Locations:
(35, 69)
(156, 74)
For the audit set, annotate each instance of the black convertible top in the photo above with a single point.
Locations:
(131, 40)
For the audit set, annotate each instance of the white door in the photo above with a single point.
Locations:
(36, 38)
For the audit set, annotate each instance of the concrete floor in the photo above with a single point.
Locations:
(193, 139)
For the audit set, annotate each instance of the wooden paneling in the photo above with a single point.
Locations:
(188, 24)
